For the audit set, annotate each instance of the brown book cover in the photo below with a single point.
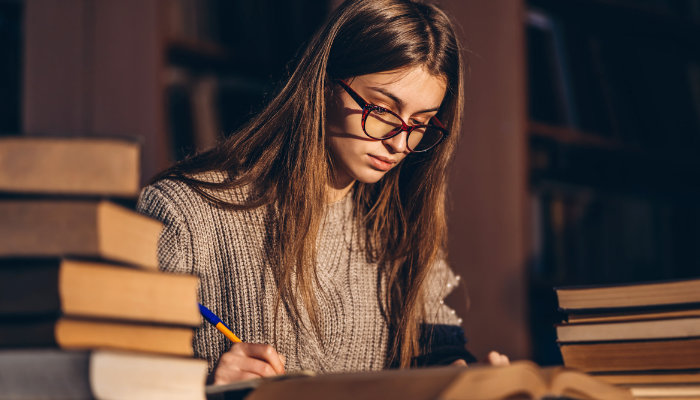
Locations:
(82, 228)
(629, 330)
(630, 296)
(74, 333)
(632, 316)
(521, 379)
(70, 166)
(96, 290)
(633, 356)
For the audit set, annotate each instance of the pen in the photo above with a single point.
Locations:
(218, 323)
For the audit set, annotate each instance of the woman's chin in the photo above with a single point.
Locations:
(370, 176)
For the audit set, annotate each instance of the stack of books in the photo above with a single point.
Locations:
(84, 311)
(642, 336)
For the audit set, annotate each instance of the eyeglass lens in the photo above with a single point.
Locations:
(382, 125)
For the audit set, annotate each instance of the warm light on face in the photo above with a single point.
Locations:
(413, 94)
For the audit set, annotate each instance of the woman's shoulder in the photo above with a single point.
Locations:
(167, 193)
(182, 194)
(180, 198)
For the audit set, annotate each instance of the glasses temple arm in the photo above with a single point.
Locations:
(437, 123)
(358, 99)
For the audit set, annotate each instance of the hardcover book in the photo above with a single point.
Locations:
(74, 333)
(69, 166)
(104, 375)
(89, 289)
(83, 228)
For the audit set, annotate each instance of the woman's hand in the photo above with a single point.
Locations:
(459, 363)
(494, 358)
(247, 361)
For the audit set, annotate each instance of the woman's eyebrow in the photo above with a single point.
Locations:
(399, 103)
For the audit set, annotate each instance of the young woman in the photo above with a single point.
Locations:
(318, 230)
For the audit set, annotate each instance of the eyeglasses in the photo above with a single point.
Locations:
(381, 124)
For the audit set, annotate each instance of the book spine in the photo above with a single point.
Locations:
(633, 356)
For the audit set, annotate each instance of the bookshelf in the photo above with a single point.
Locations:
(225, 59)
(541, 202)
(614, 133)
(572, 136)
(185, 73)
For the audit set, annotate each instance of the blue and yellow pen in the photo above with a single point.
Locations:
(216, 321)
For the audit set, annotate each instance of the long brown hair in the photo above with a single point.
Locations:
(281, 154)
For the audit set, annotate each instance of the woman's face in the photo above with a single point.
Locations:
(413, 94)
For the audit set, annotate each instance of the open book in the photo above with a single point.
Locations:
(521, 380)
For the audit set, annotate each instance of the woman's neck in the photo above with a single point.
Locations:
(339, 188)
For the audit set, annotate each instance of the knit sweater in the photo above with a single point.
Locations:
(230, 253)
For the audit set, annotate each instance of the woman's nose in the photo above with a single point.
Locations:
(397, 143)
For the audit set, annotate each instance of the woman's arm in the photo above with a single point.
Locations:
(444, 344)
(442, 336)
(164, 201)
(174, 245)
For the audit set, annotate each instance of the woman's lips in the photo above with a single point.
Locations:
(381, 163)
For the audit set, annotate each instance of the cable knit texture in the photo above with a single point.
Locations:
(230, 252)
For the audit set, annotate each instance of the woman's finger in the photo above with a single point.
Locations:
(459, 363)
(490, 358)
(496, 359)
(255, 366)
(265, 353)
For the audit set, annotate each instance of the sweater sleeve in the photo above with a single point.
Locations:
(440, 283)
(174, 244)
(442, 336)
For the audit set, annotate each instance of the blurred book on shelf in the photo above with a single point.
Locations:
(608, 83)
(676, 8)
(224, 61)
(192, 20)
